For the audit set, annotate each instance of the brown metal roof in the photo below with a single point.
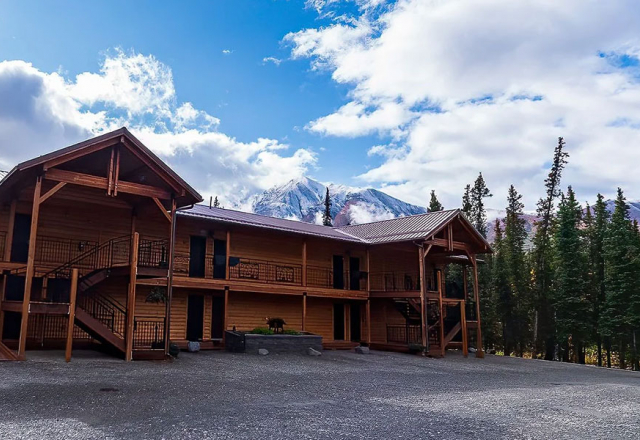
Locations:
(412, 227)
(262, 221)
(194, 195)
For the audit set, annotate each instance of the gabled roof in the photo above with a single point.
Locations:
(262, 221)
(414, 227)
(191, 194)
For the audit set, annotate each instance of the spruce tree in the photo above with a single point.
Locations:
(216, 203)
(570, 297)
(434, 204)
(515, 236)
(466, 201)
(620, 277)
(478, 213)
(542, 256)
(327, 220)
(501, 290)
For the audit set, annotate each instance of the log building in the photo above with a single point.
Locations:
(103, 245)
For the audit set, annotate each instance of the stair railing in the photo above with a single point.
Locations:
(106, 310)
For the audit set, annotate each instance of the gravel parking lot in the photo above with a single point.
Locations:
(338, 395)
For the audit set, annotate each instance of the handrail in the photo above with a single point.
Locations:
(266, 271)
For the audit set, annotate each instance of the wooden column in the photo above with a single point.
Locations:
(304, 263)
(72, 314)
(226, 313)
(304, 311)
(465, 287)
(172, 253)
(368, 313)
(131, 298)
(368, 271)
(28, 282)
(441, 305)
(476, 297)
(226, 272)
(8, 243)
(423, 295)
(463, 322)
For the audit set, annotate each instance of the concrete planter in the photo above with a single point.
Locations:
(239, 342)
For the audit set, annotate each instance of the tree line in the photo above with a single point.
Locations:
(569, 293)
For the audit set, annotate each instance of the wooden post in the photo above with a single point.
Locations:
(2, 296)
(72, 314)
(226, 313)
(304, 263)
(172, 253)
(368, 271)
(8, 243)
(476, 297)
(304, 311)
(368, 313)
(423, 315)
(227, 272)
(28, 282)
(463, 321)
(441, 304)
(131, 298)
(465, 287)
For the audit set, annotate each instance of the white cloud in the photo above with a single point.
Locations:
(273, 60)
(463, 86)
(227, 51)
(364, 213)
(43, 111)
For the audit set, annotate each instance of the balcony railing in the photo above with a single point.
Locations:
(153, 252)
(148, 332)
(400, 281)
(404, 334)
(265, 271)
(325, 277)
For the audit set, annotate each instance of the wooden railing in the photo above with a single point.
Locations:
(325, 277)
(404, 334)
(153, 252)
(265, 271)
(148, 332)
(400, 281)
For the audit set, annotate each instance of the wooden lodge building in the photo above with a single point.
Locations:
(102, 244)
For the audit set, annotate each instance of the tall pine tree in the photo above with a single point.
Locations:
(434, 204)
(542, 256)
(501, 290)
(466, 201)
(478, 213)
(327, 220)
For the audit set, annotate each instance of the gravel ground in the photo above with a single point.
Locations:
(338, 395)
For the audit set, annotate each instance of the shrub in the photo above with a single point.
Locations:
(261, 331)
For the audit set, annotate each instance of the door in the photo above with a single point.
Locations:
(20, 244)
(219, 259)
(197, 255)
(217, 318)
(195, 317)
(354, 322)
(338, 272)
(354, 273)
(338, 322)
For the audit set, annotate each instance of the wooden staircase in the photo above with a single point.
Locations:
(98, 330)
(6, 354)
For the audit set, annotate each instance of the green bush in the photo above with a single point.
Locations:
(261, 331)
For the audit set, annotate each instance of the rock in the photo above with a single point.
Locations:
(362, 350)
(313, 352)
(472, 350)
(263, 351)
(193, 347)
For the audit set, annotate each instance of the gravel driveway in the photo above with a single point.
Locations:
(338, 395)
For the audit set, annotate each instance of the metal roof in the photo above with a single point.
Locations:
(262, 221)
(408, 228)
(412, 227)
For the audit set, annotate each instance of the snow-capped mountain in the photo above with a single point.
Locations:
(303, 199)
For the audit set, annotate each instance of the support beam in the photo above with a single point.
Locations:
(172, 253)
(423, 292)
(80, 152)
(72, 314)
(368, 270)
(28, 281)
(304, 263)
(131, 298)
(463, 321)
(304, 311)
(116, 173)
(8, 243)
(226, 271)
(445, 243)
(2, 296)
(110, 174)
(476, 297)
(368, 313)
(52, 191)
(465, 284)
(226, 313)
(441, 305)
(162, 209)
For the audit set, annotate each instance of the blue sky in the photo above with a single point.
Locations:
(250, 97)
(404, 96)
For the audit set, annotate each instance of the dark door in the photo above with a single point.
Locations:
(21, 232)
(219, 259)
(195, 317)
(354, 273)
(217, 318)
(338, 272)
(197, 255)
(354, 322)
(338, 322)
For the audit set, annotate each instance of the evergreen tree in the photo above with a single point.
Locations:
(634, 309)
(570, 298)
(478, 213)
(542, 256)
(327, 220)
(434, 204)
(216, 203)
(515, 236)
(466, 201)
(620, 276)
(501, 290)
(595, 229)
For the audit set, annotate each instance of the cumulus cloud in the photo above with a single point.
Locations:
(273, 60)
(462, 86)
(364, 213)
(43, 111)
